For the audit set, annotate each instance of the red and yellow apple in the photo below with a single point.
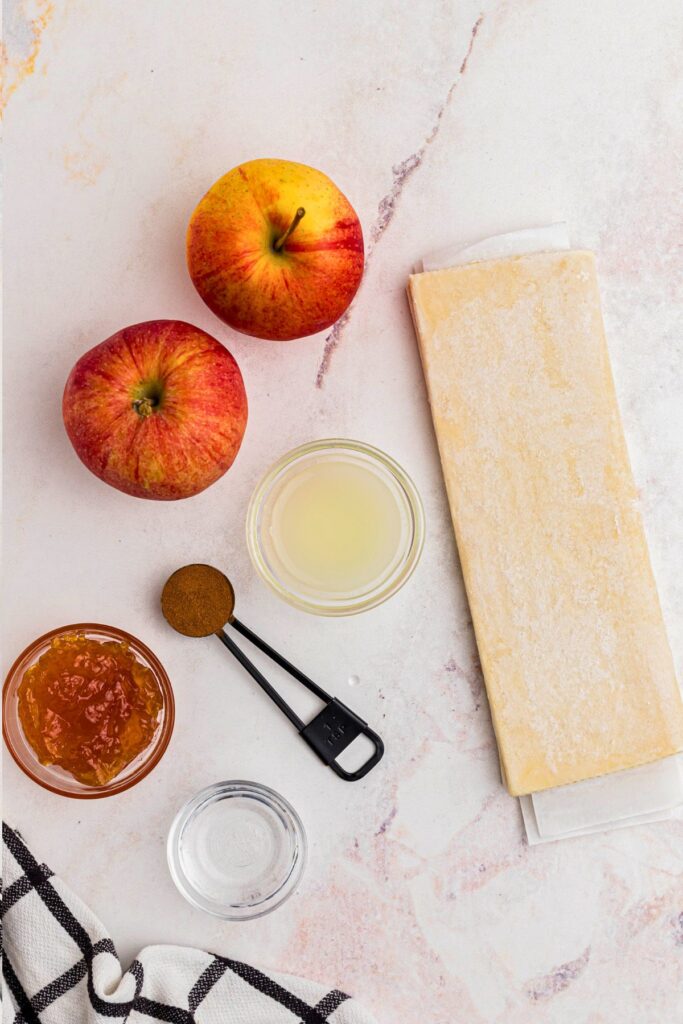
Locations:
(275, 250)
(158, 410)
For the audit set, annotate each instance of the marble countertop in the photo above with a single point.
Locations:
(443, 122)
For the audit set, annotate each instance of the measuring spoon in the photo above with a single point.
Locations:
(198, 600)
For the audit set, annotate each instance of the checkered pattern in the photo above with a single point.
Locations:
(60, 967)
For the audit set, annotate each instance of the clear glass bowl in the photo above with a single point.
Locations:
(54, 778)
(301, 592)
(237, 850)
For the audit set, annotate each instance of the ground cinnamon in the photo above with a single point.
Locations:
(197, 600)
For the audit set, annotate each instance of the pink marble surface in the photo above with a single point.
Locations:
(443, 122)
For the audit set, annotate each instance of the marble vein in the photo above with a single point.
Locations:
(388, 204)
(559, 979)
(26, 33)
(473, 678)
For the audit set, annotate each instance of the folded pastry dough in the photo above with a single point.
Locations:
(571, 638)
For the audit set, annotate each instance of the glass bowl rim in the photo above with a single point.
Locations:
(387, 587)
(157, 747)
(208, 795)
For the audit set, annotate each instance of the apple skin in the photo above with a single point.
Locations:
(158, 410)
(244, 280)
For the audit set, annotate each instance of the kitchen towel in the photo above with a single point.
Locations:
(61, 967)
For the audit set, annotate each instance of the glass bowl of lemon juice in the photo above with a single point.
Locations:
(335, 527)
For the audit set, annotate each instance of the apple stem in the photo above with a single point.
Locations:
(144, 407)
(278, 244)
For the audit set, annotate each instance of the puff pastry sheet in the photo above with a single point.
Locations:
(571, 638)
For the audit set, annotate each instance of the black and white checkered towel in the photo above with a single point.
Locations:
(60, 967)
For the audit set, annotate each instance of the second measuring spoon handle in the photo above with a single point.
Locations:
(260, 679)
(332, 730)
(275, 656)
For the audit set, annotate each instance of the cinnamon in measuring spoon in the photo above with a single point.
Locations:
(198, 600)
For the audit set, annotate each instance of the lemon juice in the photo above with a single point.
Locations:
(335, 527)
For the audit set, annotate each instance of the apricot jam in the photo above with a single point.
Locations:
(89, 707)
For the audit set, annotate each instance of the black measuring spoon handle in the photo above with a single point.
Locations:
(260, 679)
(275, 656)
(332, 730)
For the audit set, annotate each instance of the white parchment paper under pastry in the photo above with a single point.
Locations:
(632, 797)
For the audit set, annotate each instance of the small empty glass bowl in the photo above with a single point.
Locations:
(335, 527)
(237, 850)
(57, 779)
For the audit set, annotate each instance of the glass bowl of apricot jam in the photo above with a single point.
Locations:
(88, 711)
